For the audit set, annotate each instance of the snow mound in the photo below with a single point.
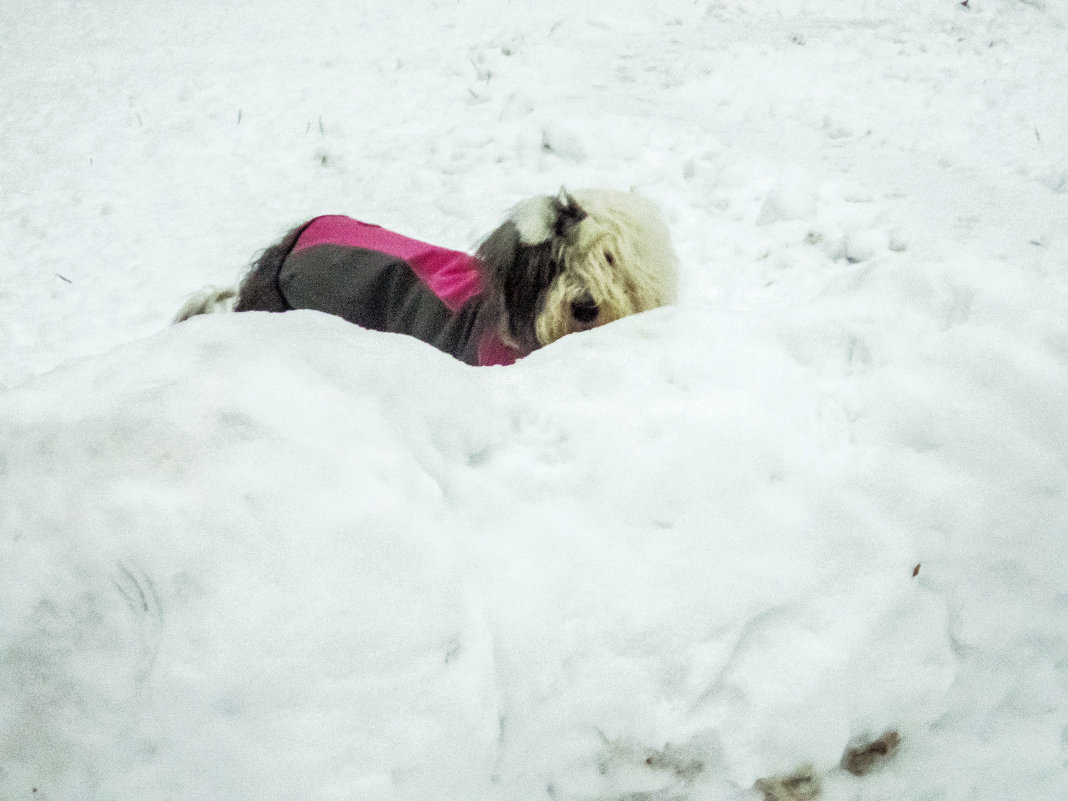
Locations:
(719, 531)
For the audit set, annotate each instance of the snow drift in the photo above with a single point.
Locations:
(276, 555)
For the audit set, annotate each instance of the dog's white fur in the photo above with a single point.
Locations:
(620, 255)
(210, 300)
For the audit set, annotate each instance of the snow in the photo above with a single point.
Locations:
(277, 557)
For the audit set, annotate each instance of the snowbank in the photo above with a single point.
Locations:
(266, 556)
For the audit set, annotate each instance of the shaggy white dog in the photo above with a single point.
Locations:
(556, 265)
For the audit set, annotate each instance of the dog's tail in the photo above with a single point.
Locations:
(259, 290)
(208, 301)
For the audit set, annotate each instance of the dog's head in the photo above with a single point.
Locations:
(571, 262)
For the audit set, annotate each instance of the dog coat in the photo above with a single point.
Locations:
(381, 280)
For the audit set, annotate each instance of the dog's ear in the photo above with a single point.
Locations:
(568, 213)
(497, 253)
(516, 273)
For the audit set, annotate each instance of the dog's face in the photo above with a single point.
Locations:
(576, 261)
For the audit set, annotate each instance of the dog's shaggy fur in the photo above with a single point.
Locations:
(573, 262)
(556, 265)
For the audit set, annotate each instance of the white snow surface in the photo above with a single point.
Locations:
(278, 557)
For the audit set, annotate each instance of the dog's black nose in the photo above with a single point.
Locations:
(584, 309)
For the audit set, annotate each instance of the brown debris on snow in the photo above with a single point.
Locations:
(801, 785)
(862, 758)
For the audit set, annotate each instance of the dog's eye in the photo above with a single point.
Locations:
(584, 310)
(608, 258)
